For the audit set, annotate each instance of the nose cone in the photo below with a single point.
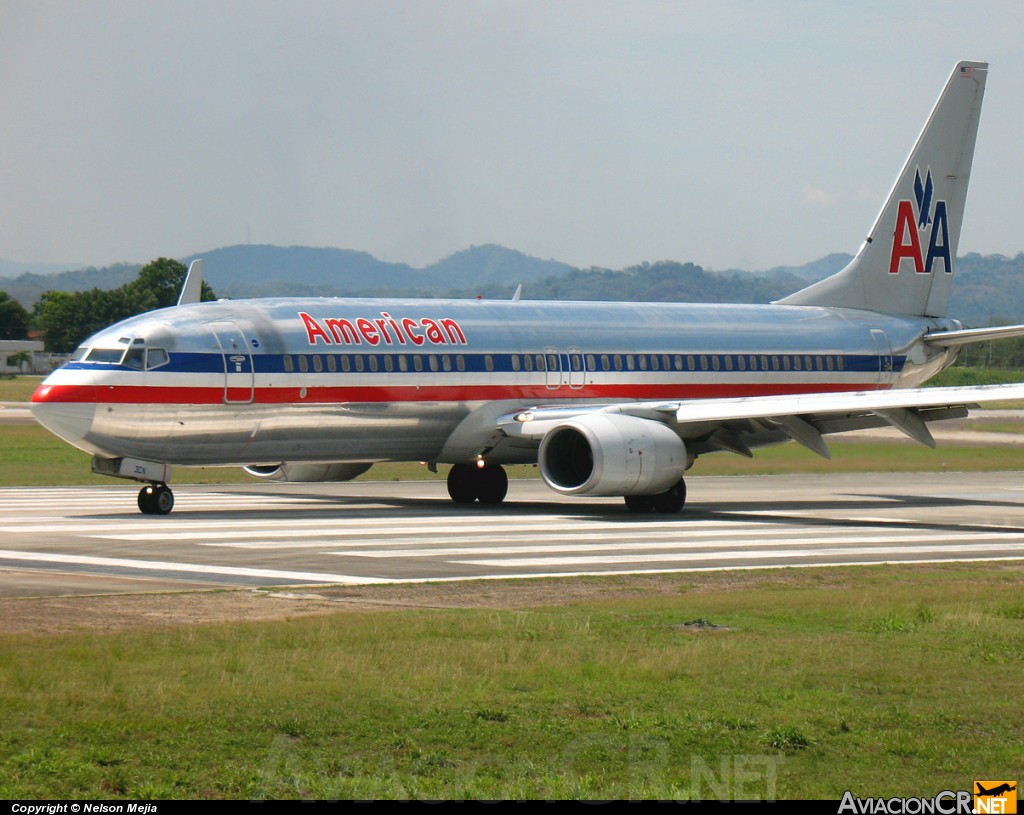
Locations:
(60, 410)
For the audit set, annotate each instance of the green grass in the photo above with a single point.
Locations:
(866, 457)
(885, 681)
(976, 376)
(1003, 427)
(18, 388)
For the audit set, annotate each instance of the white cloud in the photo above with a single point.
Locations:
(816, 196)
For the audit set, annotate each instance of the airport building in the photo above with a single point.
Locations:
(27, 357)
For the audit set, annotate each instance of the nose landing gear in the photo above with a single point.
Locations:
(156, 499)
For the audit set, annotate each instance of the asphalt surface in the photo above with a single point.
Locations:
(87, 540)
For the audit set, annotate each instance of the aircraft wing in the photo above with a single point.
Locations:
(738, 424)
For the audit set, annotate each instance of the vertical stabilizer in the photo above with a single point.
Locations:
(906, 264)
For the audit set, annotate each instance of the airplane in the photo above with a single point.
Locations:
(995, 791)
(608, 399)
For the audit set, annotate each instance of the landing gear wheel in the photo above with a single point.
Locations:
(639, 503)
(492, 485)
(468, 483)
(462, 483)
(671, 500)
(156, 499)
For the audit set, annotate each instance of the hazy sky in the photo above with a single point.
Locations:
(730, 134)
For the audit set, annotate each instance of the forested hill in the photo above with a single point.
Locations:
(989, 289)
(267, 271)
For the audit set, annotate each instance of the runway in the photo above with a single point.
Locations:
(93, 540)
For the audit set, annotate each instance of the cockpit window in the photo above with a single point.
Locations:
(110, 355)
(135, 358)
(156, 358)
(135, 355)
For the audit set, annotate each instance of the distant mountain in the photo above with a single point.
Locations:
(268, 271)
(815, 270)
(261, 271)
(27, 287)
(12, 268)
(665, 281)
(987, 290)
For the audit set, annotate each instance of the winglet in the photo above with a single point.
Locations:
(192, 289)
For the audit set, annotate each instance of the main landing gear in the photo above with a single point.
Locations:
(156, 499)
(667, 502)
(469, 482)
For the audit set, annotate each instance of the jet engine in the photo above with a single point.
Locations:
(612, 454)
(307, 471)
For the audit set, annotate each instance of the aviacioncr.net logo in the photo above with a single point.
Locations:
(946, 802)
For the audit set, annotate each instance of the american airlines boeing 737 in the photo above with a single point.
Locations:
(609, 399)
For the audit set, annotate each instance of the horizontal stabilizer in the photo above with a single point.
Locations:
(945, 339)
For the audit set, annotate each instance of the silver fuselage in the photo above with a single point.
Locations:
(360, 380)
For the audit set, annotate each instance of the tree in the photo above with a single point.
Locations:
(19, 359)
(67, 318)
(14, 319)
(162, 280)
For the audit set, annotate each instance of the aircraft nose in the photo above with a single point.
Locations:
(57, 410)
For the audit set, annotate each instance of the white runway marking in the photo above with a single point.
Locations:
(685, 557)
(189, 568)
(252, 536)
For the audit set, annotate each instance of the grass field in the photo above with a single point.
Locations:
(885, 681)
(18, 388)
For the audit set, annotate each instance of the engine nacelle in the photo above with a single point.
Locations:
(307, 471)
(612, 454)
